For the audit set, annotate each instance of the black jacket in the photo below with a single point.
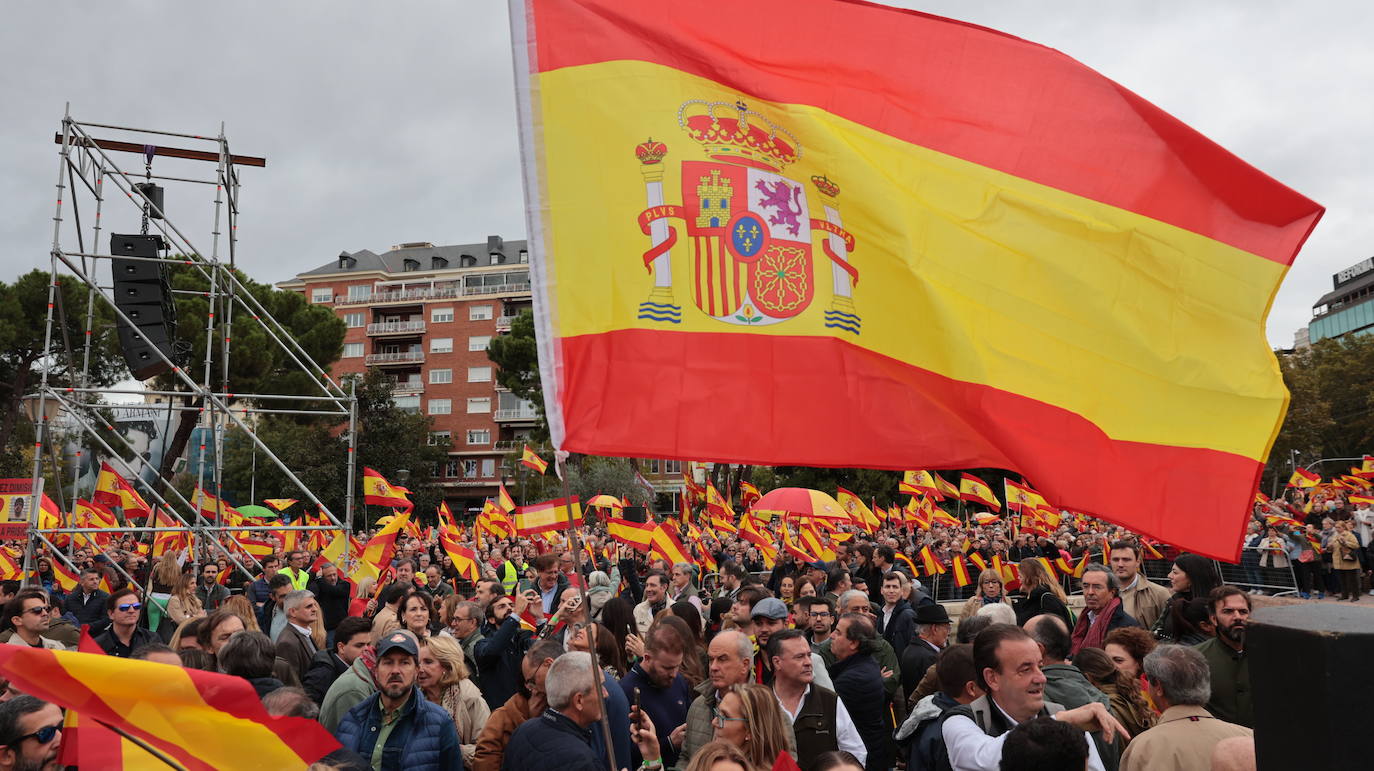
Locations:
(498, 656)
(324, 669)
(88, 611)
(1041, 600)
(859, 683)
(551, 739)
(333, 600)
(916, 660)
(113, 647)
(900, 628)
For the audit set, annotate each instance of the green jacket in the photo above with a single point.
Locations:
(348, 691)
(1230, 683)
(1066, 685)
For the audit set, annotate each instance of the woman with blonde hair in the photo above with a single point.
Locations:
(443, 677)
(166, 573)
(184, 605)
(989, 592)
(240, 606)
(718, 756)
(1043, 594)
(748, 719)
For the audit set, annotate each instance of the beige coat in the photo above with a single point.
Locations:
(1179, 742)
(179, 611)
(1145, 601)
(384, 622)
(1347, 539)
(470, 712)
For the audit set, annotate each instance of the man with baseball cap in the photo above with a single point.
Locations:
(770, 617)
(397, 728)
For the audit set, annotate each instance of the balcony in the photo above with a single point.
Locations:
(407, 389)
(396, 328)
(506, 445)
(497, 289)
(519, 415)
(400, 296)
(469, 483)
(393, 359)
(503, 323)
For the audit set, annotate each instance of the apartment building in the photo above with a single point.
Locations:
(424, 314)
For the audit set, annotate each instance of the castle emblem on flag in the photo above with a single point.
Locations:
(749, 230)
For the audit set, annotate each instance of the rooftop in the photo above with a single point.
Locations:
(421, 256)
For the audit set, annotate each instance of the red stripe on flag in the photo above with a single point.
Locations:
(819, 419)
(966, 91)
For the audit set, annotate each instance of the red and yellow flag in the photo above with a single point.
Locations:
(918, 483)
(65, 576)
(772, 218)
(859, 514)
(748, 493)
(382, 546)
(664, 544)
(1304, 478)
(1022, 497)
(961, 578)
(464, 559)
(637, 535)
(379, 492)
(547, 516)
(971, 488)
(531, 459)
(111, 489)
(932, 566)
(280, 504)
(202, 720)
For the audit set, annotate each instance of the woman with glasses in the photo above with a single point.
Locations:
(989, 591)
(748, 718)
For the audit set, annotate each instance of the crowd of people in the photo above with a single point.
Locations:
(618, 659)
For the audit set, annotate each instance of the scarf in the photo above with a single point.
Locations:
(1093, 634)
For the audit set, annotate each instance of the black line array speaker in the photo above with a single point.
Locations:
(142, 293)
(1310, 675)
(635, 514)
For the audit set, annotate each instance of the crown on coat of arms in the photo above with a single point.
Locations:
(745, 137)
(826, 187)
(651, 152)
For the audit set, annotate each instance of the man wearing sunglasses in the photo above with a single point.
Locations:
(30, 613)
(31, 734)
(124, 635)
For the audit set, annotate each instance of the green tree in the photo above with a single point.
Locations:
(516, 356)
(868, 484)
(257, 364)
(396, 443)
(23, 328)
(1331, 407)
(314, 451)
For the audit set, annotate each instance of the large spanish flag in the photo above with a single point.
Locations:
(202, 720)
(862, 236)
(547, 516)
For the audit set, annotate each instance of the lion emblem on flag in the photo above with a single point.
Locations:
(749, 229)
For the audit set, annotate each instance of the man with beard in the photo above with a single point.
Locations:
(663, 691)
(1229, 608)
(397, 727)
(31, 732)
(655, 600)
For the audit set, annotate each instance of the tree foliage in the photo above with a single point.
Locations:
(516, 356)
(1331, 412)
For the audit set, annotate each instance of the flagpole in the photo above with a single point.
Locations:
(142, 744)
(575, 542)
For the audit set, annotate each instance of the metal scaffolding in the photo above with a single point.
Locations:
(85, 169)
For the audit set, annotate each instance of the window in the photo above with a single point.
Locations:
(355, 319)
(451, 469)
(479, 436)
(479, 374)
(524, 256)
(653, 465)
(479, 404)
(325, 295)
(440, 437)
(479, 312)
(672, 466)
(352, 350)
(488, 468)
(440, 376)
(407, 403)
(469, 468)
(440, 406)
(441, 345)
(440, 315)
(479, 342)
(359, 292)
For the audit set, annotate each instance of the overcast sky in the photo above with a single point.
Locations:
(392, 122)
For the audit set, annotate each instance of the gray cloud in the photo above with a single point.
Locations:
(390, 122)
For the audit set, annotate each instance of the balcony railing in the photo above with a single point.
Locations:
(396, 328)
(384, 359)
(516, 415)
(407, 389)
(503, 323)
(506, 445)
(399, 295)
(472, 291)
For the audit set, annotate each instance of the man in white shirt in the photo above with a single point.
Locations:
(1007, 662)
(820, 722)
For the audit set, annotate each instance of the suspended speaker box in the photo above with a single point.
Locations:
(141, 292)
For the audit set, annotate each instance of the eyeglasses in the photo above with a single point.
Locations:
(720, 719)
(43, 735)
(126, 606)
(38, 610)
